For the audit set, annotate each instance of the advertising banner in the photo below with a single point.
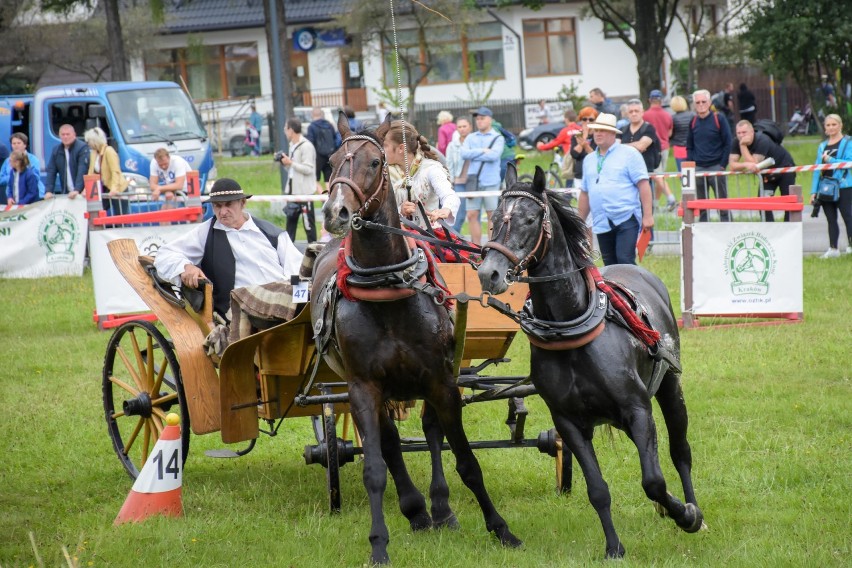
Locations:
(113, 295)
(747, 268)
(47, 238)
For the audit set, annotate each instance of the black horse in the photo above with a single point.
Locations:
(585, 362)
(399, 348)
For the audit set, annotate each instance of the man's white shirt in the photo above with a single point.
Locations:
(177, 168)
(256, 261)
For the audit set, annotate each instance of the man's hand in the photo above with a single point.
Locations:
(539, 146)
(408, 208)
(10, 201)
(286, 161)
(155, 194)
(647, 221)
(191, 275)
(73, 194)
(48, 195)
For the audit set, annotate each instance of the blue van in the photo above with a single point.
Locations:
(138, 118)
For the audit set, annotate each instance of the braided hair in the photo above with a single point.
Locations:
(411, 136)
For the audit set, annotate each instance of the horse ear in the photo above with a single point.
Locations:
(511, 175)
(383, 128)
(343, 124)
(538, 179)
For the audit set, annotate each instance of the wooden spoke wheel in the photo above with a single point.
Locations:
(141, 385)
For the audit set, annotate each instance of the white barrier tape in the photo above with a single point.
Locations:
(787, 170)
(308, 198)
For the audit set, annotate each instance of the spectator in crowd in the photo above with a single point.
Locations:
(835, 148)
(232, 250)
(22, 188)
(600, 101)
(680, 128)
(483, 148)
(708, 144)
(256, 121)
(430, 181)
(749, 149)
(18, 141)
(103, 161)
(564, 140)
(301, 163)
(663, 124)
(354, 124)
(381, 112)
(168, 176)
(446, 127)
(746, 103)
(69, 163)
(508, 154)
(583, 143)
(325, 140)
(541, 113)
(4, 152)
(623, 119)
(640, 134)
(252, 139)
(827, 89)
(457, 167)
(728, 104)
(616, 191)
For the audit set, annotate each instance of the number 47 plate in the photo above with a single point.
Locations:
(300, 293)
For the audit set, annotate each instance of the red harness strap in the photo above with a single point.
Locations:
(353, 293)
(645, 334)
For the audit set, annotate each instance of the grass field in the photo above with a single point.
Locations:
(771, 431)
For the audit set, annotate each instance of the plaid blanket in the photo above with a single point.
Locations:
(255, 308)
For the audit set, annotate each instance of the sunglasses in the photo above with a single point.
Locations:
(587, 120)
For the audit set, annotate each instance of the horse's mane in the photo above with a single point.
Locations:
(574, 228)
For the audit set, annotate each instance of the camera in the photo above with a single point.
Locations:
(278, 155)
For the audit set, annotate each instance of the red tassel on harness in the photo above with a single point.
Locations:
(645, 334)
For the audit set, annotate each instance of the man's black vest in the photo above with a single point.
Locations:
(219, 265)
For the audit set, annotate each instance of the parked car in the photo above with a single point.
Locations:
(234, 138)
(543, 133)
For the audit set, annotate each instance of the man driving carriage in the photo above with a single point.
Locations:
(232, 251)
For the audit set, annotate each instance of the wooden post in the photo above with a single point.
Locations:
(687, 180)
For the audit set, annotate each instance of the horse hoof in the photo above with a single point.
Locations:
(693, 519)
(379, 559)
(421, 522)
(450, 522)
(616, 553)
(507, 539)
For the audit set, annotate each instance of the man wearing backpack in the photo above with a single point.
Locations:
(749, 149)
(326, 140)
(708, 144)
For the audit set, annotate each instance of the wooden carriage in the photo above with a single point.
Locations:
(260, 378)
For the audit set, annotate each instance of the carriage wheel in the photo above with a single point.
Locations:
(141, 384)
(332, 470)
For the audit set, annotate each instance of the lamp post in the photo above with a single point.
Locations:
(279, 109)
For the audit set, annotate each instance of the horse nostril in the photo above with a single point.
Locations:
(343, 214)
(494, 279)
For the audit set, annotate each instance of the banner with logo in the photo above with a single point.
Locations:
(47, 238)
(747, 268)
(113, 295)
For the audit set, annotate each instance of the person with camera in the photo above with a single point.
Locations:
(301, 167)
(832, 189)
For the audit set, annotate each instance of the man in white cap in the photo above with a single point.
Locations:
(233, 250)
(617, 192)
(483, 148)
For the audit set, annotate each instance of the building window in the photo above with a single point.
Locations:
(210, 71)
(476, 55)
(550, 47)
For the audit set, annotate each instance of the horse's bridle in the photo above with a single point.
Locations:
(519, 265)
(349, 156)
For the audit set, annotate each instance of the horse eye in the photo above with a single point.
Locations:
(375, 163)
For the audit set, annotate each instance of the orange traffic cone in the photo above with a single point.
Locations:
(157, 490)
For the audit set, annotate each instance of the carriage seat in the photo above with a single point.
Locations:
(195, 298)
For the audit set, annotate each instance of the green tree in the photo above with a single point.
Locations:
(417, 26)
(643, 26)
(805, 40)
